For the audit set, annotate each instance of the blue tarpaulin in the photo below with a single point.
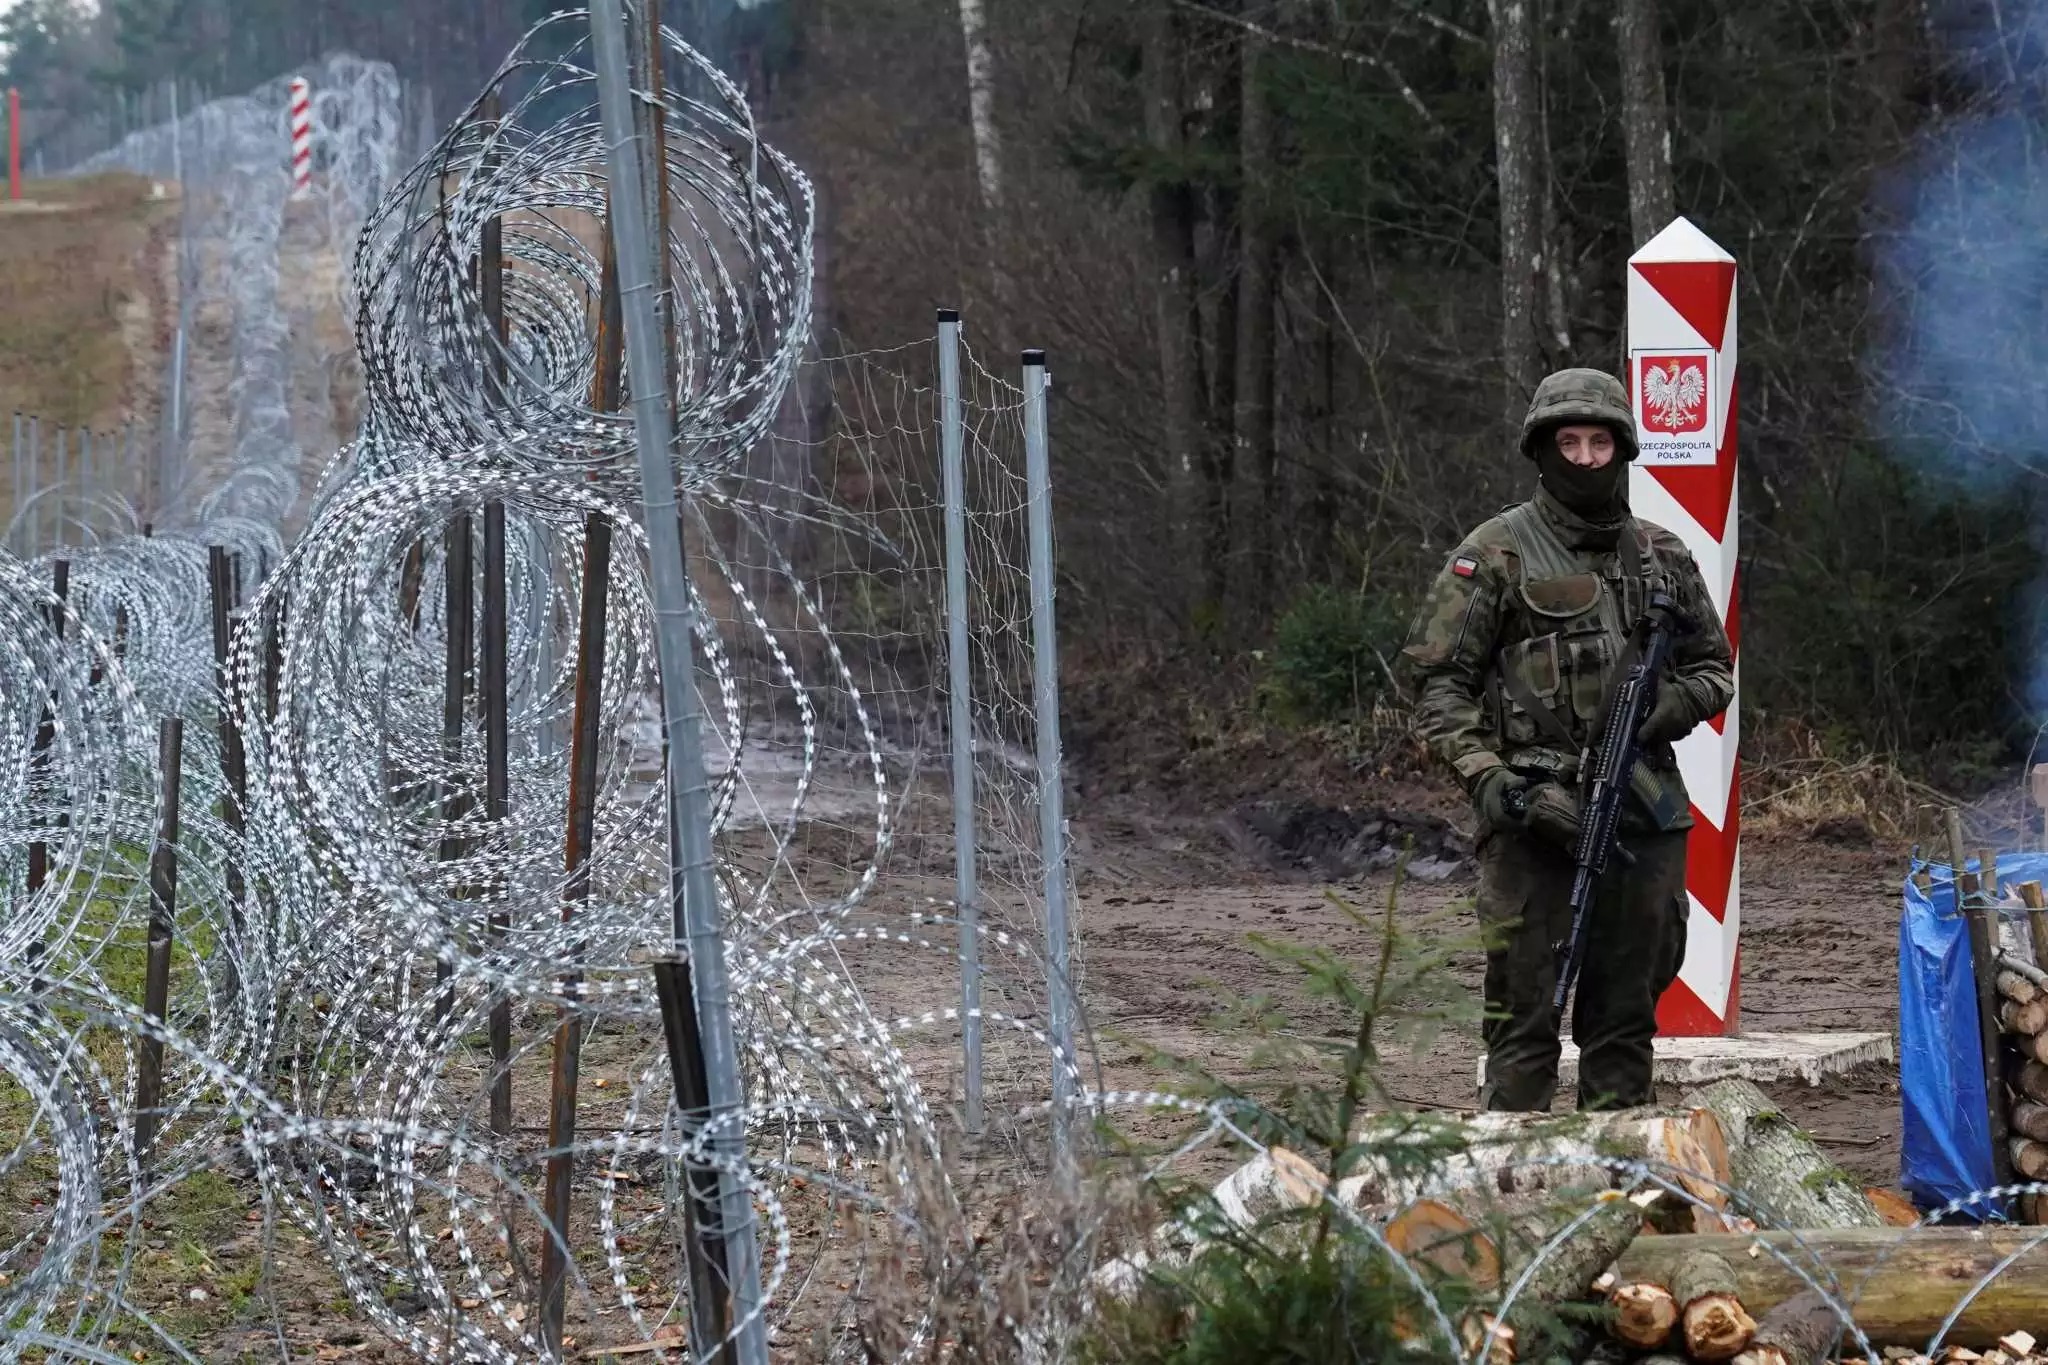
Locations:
(1947, 1138)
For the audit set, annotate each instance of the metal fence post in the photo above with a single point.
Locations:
(35, 487)
(20, 487)
(85, 484)
(59, 488)
(693, 890)
(1045, 696)
(959, 683)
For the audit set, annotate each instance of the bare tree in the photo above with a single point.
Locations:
(1173, 255)
(1645, 119)
(1515, 158)
(1256, 452)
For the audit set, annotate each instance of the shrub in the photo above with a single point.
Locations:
(1333, 653)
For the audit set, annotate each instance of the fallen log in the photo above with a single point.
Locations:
(1786, 1180)
(2032, 1082)
(1899, 1283)
(1710, 1311)
(1799, 1331)
(1516, 1153)
(1644, 1315)
(1566, 1272)
(2034, 1047)
(1272, 1182)
(2029, 1158)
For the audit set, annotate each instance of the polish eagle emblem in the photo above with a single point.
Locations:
(1673, 392)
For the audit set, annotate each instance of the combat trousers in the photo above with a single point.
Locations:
(1634, 946)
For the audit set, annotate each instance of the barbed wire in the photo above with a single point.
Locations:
(366, 951)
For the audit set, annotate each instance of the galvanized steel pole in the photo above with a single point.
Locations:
(959, 684)
(695, 894)
(1045, 697)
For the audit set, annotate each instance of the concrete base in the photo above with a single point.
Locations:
(1759, 1057)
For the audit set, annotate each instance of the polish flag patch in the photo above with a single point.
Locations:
(1464, 566)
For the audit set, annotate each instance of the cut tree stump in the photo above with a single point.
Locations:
(1644, 1315)
(1784, 1177)
(1710, 1311)
(1800, 1331)
(1900, 1283)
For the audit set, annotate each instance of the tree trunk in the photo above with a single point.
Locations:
(1906, 1281)
(1173, 258)
(1221, 498)
(1645, 120)
(1786, 1180)
(1514, 145)
(1557, 342)
(1256, 453)
(981, 108)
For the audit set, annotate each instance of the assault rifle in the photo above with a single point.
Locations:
(1604, 775)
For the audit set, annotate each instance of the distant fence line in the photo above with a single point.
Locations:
(74, 485)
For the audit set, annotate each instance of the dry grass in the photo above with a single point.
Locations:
(1795, 781)
(74, 267)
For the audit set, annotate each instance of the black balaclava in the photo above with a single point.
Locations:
(1596, 494)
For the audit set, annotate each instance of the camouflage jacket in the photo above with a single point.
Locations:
(1560, 622)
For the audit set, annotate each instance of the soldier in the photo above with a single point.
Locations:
(1512, 657)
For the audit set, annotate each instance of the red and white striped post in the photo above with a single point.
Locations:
(13, 143)
(1681, 369)
(302, 137)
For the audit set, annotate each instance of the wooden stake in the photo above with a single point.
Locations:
(590, 651)
(1971, 903)
(163, 916)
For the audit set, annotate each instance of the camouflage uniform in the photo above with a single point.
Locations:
(1532, 614)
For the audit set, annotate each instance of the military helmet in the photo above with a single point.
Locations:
(1571, 396)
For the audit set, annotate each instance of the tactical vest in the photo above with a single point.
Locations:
(1551, 687)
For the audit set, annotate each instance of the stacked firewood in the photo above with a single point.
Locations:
(1660, 1271)
(2023, 1015)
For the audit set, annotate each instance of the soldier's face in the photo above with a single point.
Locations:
(1589, 447)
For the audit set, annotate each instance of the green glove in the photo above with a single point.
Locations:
(1670, 719)
(1490, 795)
(1554, 814)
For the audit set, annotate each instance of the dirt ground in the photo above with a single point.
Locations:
(1167, 909)
(1819, 952)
